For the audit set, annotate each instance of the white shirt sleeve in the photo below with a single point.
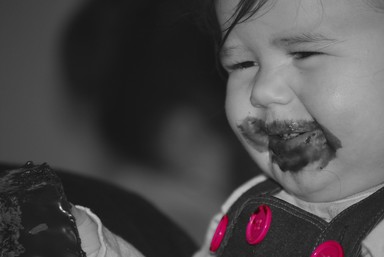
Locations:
(98, 241)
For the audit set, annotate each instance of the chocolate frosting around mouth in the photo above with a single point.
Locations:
(286, 127)
(294, 154)
(312, 144)
(254, 132)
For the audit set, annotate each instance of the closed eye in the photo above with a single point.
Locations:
(241, 65)
(301, 55)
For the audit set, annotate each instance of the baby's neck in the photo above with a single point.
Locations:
(326, 210)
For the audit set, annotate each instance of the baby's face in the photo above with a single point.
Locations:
(306, 93)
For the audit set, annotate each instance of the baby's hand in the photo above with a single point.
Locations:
(87, 228)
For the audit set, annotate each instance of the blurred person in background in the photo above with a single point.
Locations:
(143, 74)
(33, 127)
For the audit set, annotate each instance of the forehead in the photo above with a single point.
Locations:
(333, 17)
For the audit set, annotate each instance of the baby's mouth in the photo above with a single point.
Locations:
(292, 144)
(297, 150)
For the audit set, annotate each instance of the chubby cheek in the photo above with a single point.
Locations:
(262, 159)
(238, 108)
(237, 105)
(330, 98)
(350, 106)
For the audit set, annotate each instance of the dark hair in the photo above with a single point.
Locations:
(244, 10)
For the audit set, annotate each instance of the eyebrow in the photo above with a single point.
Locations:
(227, 51)
(284, 41)
(304, 38)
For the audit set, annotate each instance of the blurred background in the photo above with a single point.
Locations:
(125, 91)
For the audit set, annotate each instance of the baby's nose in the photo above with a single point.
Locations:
(270, 88)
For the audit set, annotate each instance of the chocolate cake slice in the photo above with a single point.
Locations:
(35, 217)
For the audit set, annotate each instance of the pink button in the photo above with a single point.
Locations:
(328, 249)
(219, 234)
(259, 224)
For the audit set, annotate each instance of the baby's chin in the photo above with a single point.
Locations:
(310, 184)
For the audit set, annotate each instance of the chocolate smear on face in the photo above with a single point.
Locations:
(254, 132)
(293, 144)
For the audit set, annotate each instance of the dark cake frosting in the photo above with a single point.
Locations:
(35, 217)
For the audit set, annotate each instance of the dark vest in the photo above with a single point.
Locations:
(294, 232)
